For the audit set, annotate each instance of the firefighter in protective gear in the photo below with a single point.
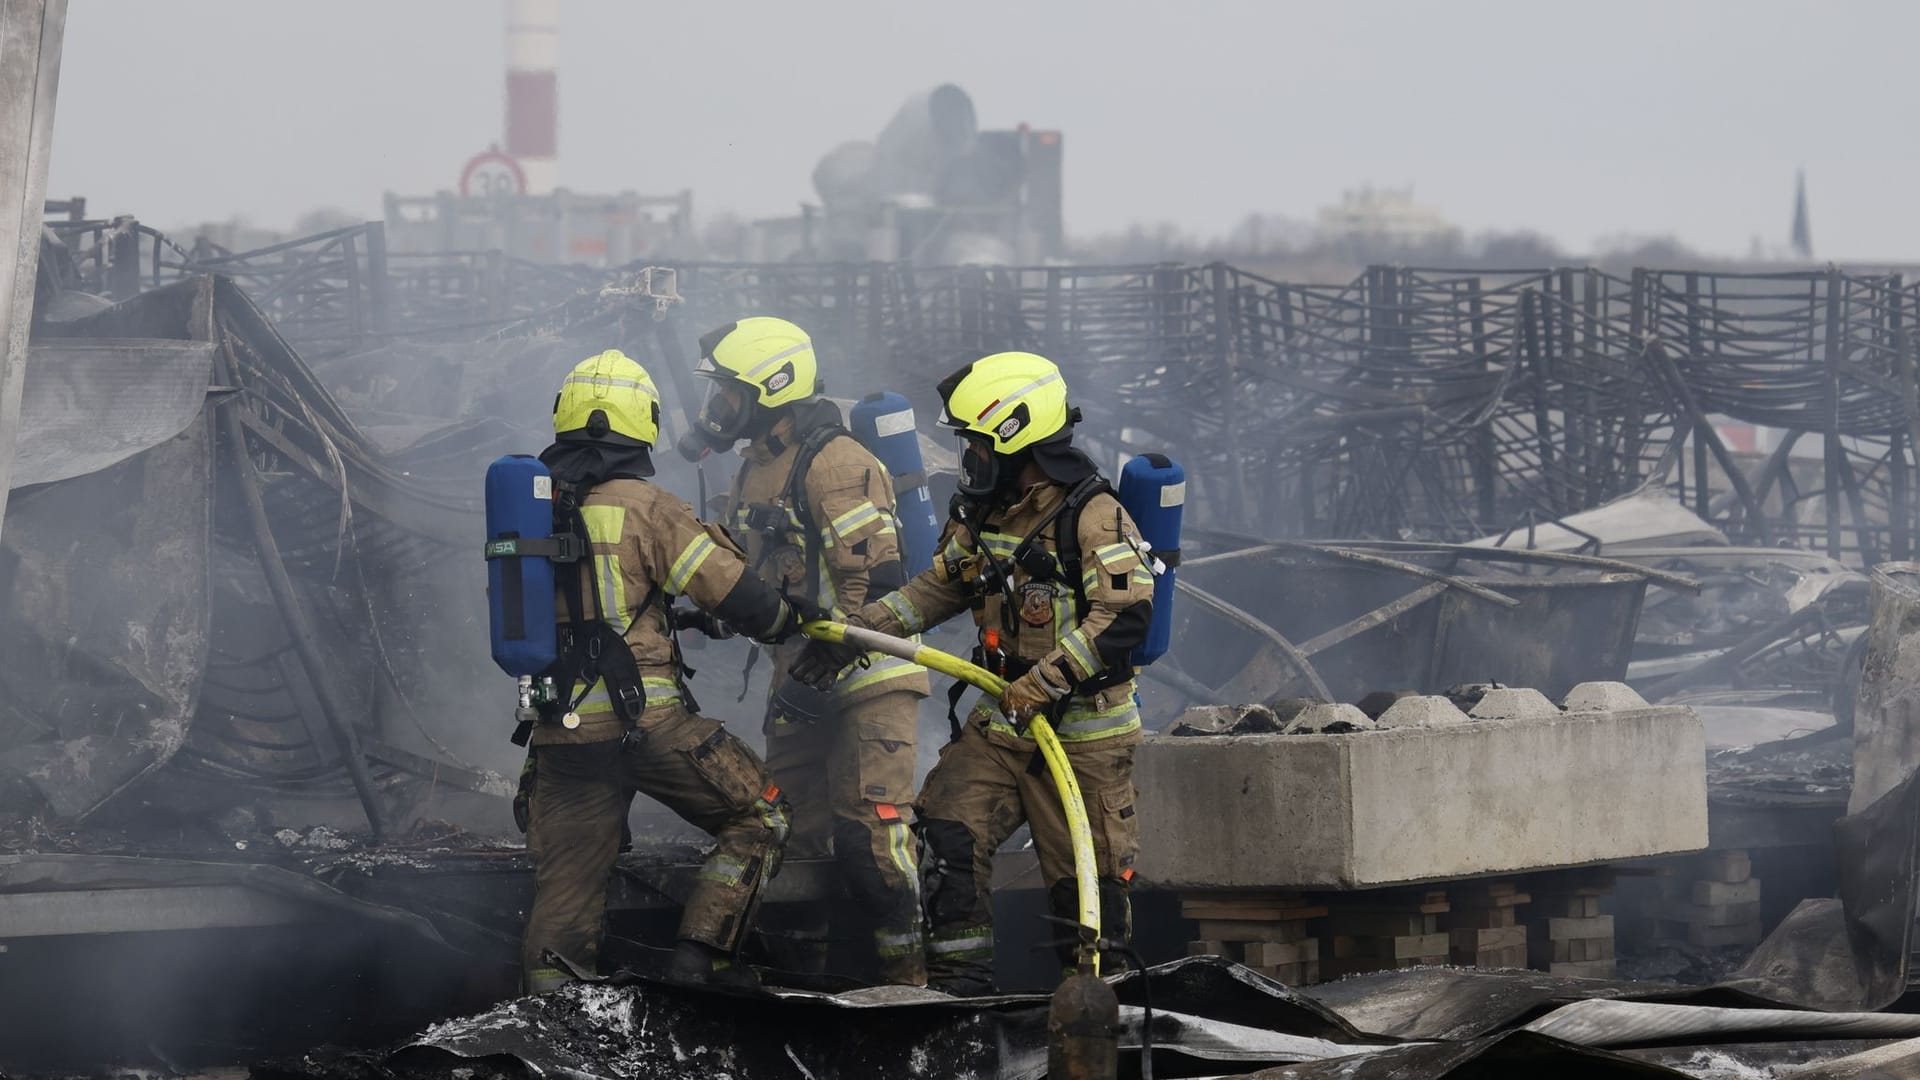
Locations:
(1055, 574)
(629, 723)
(815, 511)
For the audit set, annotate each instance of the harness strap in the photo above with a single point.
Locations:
(815, 441)
(591, 650)
(954, 694)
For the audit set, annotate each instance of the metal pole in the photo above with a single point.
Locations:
(300, 628)
(31, 32)
(1703, 493)
(1834, 451)
(379, 284)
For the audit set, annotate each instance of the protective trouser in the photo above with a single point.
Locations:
(983, 788)
(697, 769)
(849, 778)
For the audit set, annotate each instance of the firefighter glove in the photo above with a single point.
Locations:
(705, 622)
(1033, 693)
(821, 662)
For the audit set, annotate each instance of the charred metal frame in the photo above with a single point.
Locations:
(1408, 403)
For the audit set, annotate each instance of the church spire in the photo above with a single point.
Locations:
(1802, 231)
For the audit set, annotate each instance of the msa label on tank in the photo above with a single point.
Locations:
(543, 488)
(893, 423)
(1174, 494)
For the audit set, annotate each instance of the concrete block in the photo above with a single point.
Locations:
(1718, 914)
(1589, 697)
(1284, 974)
(1568, 929)
(1479, 941)
(1420, 946)
(1515, 703)
(1380, 701)
(1580, 950)
(1407, 804)
(1714, 893)
(1429, 710)
(1385, 923)
(1269, 953)
(1318, 718)
(1514, 957)
(1731, 867)
(1252, 930)
(1220, 719)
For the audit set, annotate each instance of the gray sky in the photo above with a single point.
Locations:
(1580, 120)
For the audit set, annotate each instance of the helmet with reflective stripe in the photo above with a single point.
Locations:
(771, 361)
(1012, 400)
(608, 394)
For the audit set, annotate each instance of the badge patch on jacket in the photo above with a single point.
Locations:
(1036, 603)
(790, 564)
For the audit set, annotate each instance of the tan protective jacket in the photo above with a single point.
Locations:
(647, 547)
(1046, 627)
(850, 500)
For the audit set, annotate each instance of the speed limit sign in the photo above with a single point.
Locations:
(491, 173)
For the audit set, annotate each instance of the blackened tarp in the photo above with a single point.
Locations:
(1513, 1054)
(103, 624)
(86, 405)
(1206, 1010)
(1210, 1017)
(109, 631)
(75, 873)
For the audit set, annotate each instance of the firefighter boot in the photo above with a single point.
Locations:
(695, 964)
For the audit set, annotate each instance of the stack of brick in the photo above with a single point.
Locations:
(1567, 934)
(1484, 929)
(1380, 932)
(1721, 904)
(1269, 933)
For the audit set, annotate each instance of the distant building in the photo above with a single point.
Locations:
(1382, 218)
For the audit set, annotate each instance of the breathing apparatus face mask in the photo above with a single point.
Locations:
(725, 418)
(983, 473)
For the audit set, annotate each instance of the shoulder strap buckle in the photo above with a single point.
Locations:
(560, 548)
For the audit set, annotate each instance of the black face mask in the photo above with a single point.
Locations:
(727, 414)
(983, 473)
(695, 444)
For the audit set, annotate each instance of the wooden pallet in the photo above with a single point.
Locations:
(1380, 930)
(1268, 932)
(1567, 933)
(1716, 904)
(1484, 928)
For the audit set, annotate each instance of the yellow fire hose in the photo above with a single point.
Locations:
(1055, 755)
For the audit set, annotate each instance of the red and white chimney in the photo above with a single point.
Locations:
(533, 91)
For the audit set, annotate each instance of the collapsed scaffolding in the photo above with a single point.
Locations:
(1408, 403)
